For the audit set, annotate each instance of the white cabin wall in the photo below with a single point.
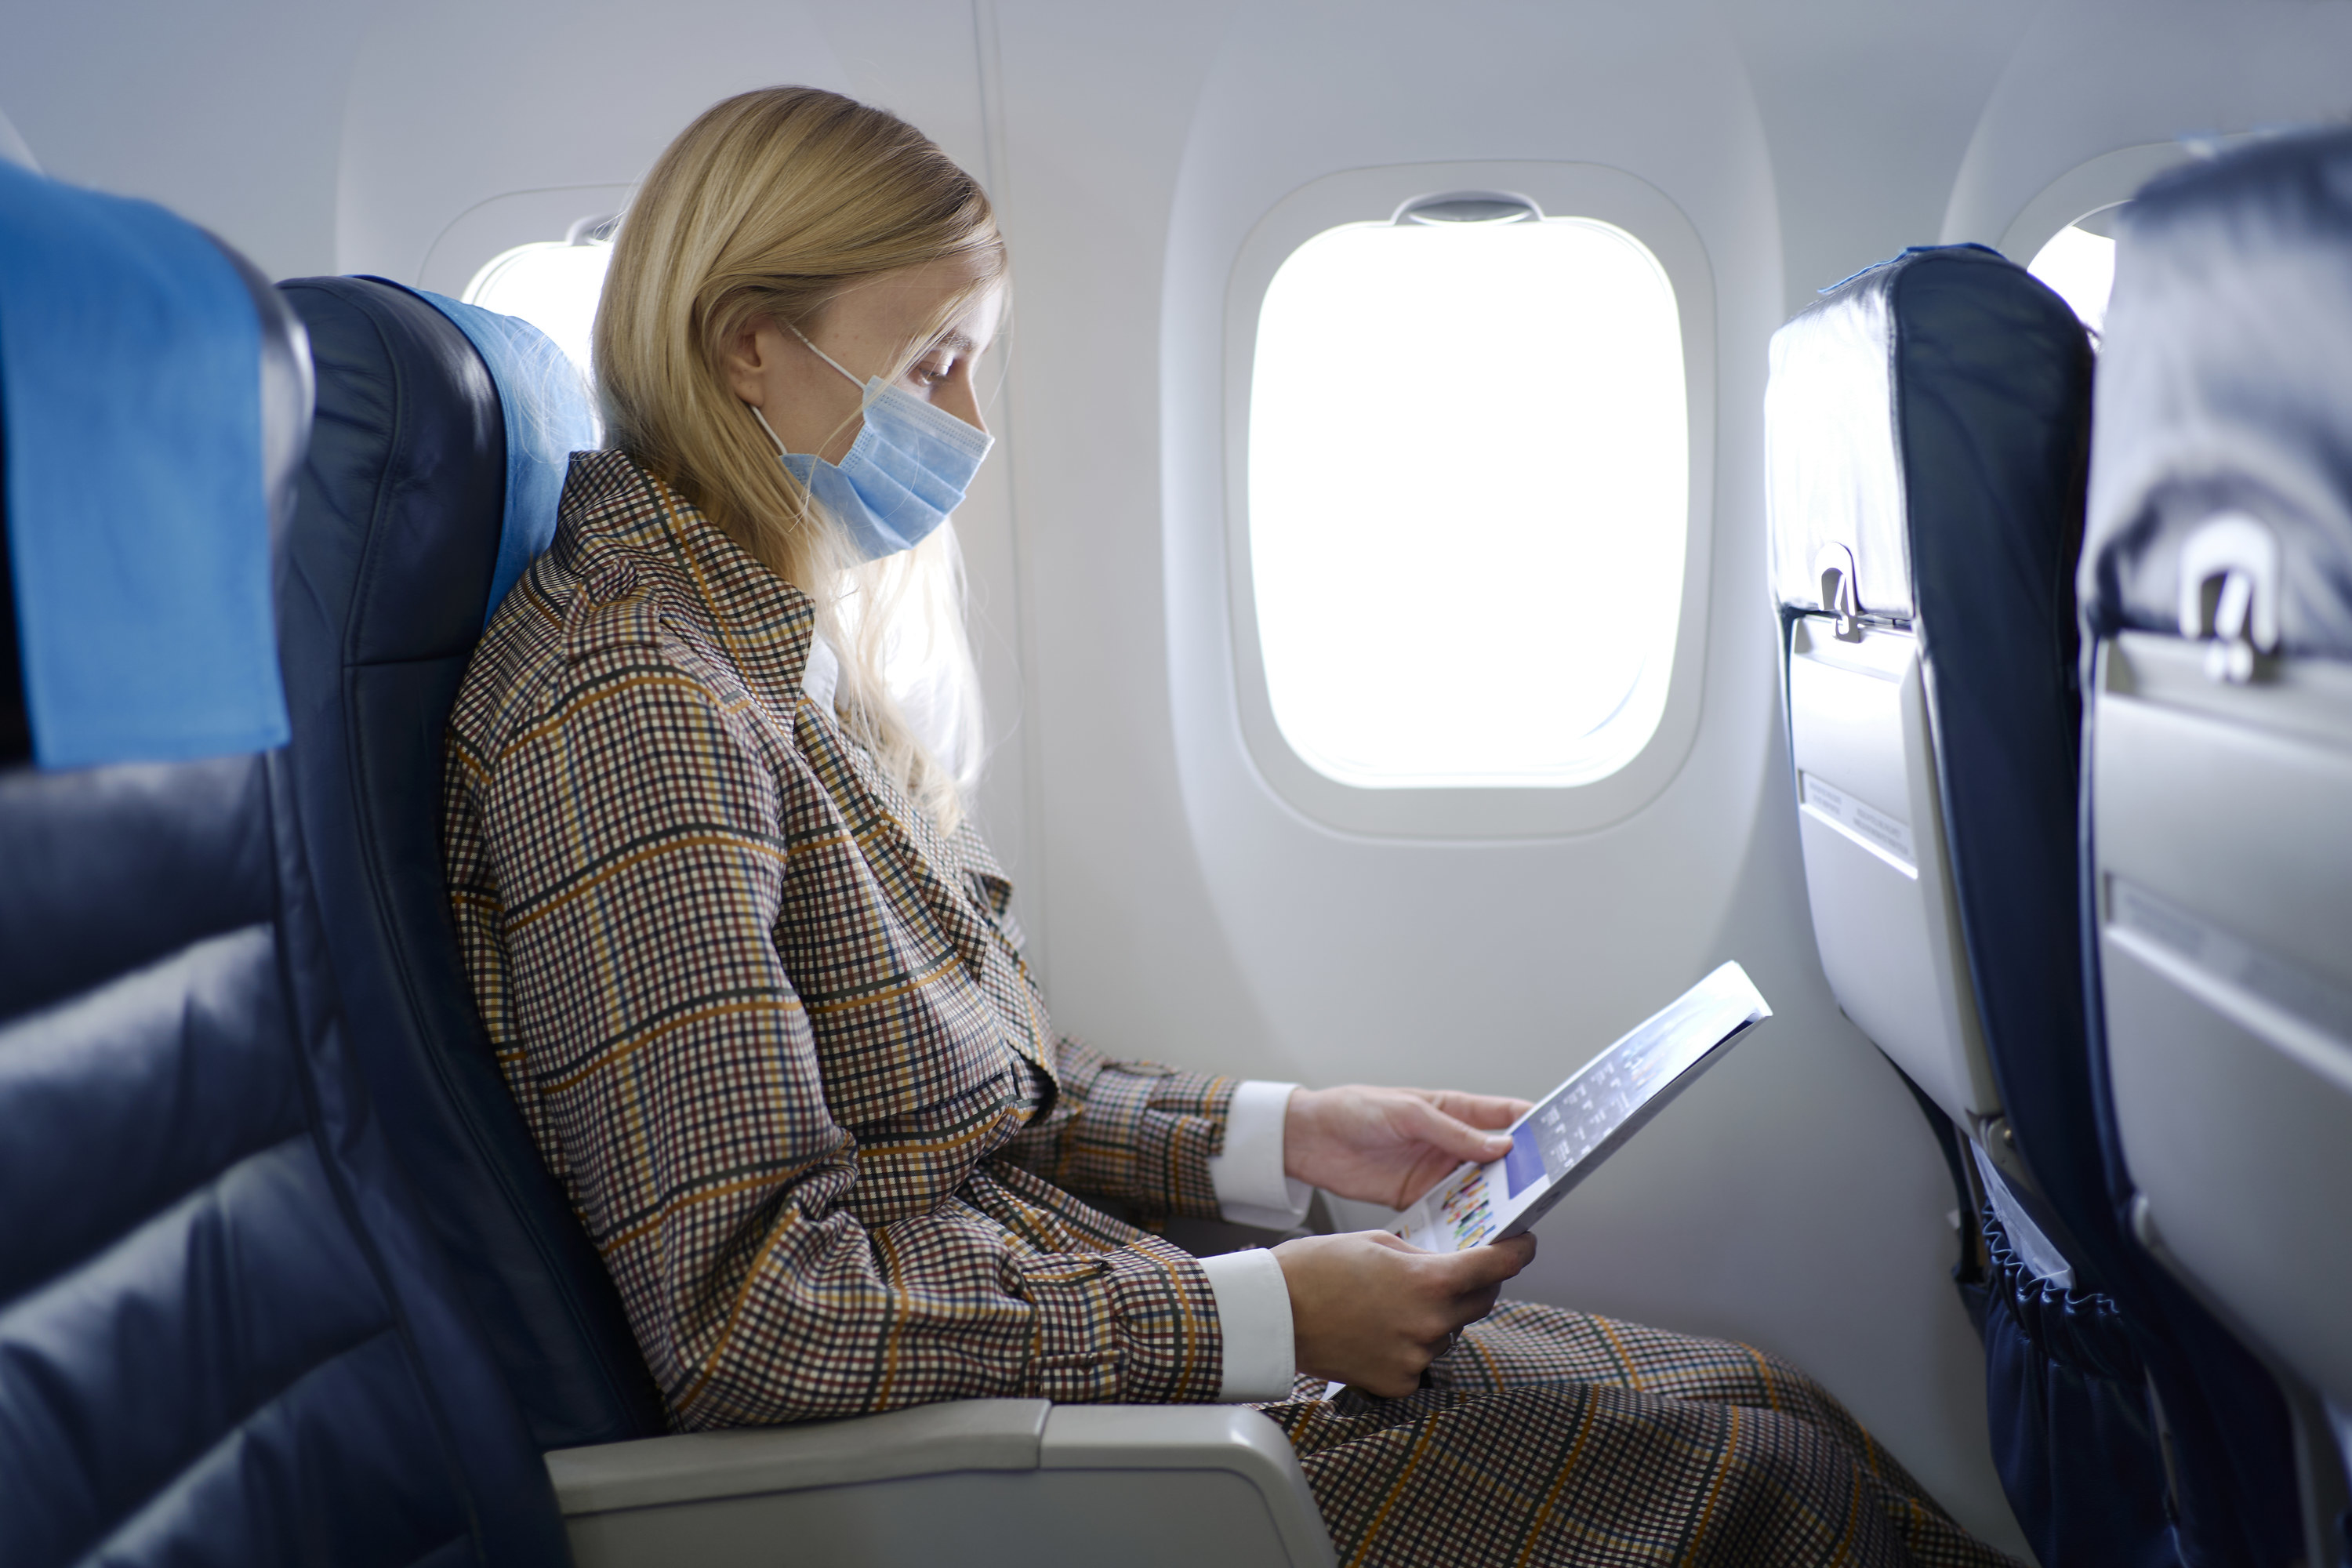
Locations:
(540, 93)
(1868, 108)
(2094, 77)
(228, 113)
(1794, 1198)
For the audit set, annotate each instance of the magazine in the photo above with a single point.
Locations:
(1586, 1120)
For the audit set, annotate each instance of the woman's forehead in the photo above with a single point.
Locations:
(936, 298)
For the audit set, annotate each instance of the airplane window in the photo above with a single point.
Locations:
(1467, 497)
(2079, 263)
(551, 284)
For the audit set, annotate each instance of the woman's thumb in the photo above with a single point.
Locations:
(1460, 1139)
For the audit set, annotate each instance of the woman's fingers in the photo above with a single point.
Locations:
(1372, 1311)
(1485, 1110)
(1481, 1270)
(1451, 1135)
(1390, 1145)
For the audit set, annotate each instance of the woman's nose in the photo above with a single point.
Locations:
(960, 399)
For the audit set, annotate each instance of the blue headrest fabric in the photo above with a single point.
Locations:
(2226, 385)
(404, 510)
(548, 417)
(132, 366)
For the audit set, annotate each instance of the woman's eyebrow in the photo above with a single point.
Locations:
(959, 339)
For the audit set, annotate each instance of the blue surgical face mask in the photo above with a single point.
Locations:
(906, 471)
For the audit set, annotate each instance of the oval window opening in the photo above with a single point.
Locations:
(1468, 498)
(553, 284)
(2079, 265)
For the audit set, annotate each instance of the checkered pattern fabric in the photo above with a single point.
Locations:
(773, 1030)
(775, 1035)
(1549, 1438)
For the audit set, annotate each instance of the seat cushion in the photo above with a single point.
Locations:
(223, 1338)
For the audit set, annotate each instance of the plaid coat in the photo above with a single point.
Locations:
(772, 1031)
(775, 1035)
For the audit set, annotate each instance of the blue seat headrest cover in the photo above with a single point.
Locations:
(139, 476)
(2224, 386)
(549, 417)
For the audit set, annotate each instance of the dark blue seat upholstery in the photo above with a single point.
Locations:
(386, 580)
(1930, 435)
(2217, 847)
(224, 1335)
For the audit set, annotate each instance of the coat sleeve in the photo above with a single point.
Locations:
(634, 847)
(1136, 1131)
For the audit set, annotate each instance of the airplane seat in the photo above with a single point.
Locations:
(225, 1337)
(434, 472)
(419, 503)
(1927, 424)
(2216, 607)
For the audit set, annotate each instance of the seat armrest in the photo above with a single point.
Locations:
(973, 1481)
(698, 1466)
(1229, 1438)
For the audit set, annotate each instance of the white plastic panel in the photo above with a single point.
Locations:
(1009, 1482)
(1872, 832)
(2225, 937)
(1032, 1519)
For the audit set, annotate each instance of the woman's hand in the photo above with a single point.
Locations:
(1390, 1145)
(1372, 1311)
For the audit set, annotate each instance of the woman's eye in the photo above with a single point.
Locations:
(932, 373)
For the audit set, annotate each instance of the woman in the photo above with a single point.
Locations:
(753, 976)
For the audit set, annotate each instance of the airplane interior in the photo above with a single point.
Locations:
(1496, 508)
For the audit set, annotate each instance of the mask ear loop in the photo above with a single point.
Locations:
(866, 394)
(782, 451)
(867, 391)
(806, 499)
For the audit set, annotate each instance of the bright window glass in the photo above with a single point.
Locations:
(1468, 497)
(553, 284)
(2080, 265)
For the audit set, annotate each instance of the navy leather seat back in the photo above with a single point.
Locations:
(1930, 431)
(2216, 595)
(224, 1337)
(387, 571)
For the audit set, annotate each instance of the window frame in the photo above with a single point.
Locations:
(2086, 190)
(496, 224)
(1590, 191)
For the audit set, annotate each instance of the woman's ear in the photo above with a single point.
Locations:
(745, 364)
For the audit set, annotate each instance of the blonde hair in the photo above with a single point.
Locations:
(768, 206)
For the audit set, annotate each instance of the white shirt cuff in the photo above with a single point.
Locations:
(1251, 1185)
(1254, 1311)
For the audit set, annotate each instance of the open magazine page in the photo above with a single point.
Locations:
(1587, 1119)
